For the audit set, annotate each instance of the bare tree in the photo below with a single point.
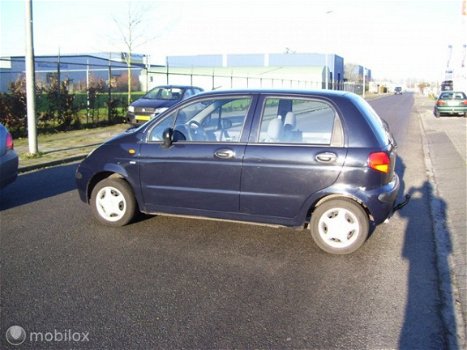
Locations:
(133, 33)
(352, 72)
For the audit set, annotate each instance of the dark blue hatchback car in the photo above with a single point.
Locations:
(157, 101)
(317, 159)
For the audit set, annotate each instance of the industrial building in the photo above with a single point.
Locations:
(75, 70)
(268, 70)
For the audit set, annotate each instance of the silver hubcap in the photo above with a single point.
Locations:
(110, 203)
(338, 227)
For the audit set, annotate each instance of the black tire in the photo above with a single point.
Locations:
(339, 226)
(437, 114)
(113, 202)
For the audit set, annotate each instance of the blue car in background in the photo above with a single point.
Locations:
(321, 160)
(158, 100)
(8, 158)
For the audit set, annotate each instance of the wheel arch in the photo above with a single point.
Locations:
(332, 196)
(98, 178)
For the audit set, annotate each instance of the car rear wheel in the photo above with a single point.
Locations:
(339, 226)
(113, 202)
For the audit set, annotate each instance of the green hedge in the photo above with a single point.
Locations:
(80, 100)
(63, 111)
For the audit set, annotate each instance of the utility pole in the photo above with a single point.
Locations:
(364, 83)
(88, 103)
(59, 78)
(128, 62)
(30, 81)
(109, 91)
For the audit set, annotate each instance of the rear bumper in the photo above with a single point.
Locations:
(390, 191)
(8, 168)
(451, 109)
(381, 204)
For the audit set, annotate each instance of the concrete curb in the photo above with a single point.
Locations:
(33, 167)
(451, 311)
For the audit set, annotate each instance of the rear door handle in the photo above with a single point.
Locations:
(224, 154)
(326, 157)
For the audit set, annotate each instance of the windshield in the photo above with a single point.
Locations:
(165, 93)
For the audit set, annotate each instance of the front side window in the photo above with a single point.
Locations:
(213, 120)
(301, 121)
(157, 131)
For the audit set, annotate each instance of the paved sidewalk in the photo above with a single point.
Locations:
(64, 147)
(445, 148)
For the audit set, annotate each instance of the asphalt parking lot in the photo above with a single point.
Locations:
(180, 283)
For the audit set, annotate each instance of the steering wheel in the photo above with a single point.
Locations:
(196, 131)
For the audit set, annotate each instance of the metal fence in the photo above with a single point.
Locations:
(81, 77)
(215, 81)
(218, 81)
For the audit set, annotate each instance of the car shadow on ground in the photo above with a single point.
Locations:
(427, 311)
(37, 185)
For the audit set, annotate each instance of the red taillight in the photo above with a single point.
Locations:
(379, 161)
(465, 102)
(441, 103)
(9, 141)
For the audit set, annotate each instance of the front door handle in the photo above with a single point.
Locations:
(224, 154)
(326, 157)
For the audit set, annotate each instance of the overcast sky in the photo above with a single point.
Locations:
(395, 38)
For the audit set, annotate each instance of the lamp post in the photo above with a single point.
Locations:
(30, 80)
(363, 92)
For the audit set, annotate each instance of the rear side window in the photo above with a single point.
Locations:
(300, 121)
(379, 127)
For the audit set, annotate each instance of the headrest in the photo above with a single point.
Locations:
(275, 129)
(290, 119)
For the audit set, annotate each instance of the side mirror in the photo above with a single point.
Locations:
(167, 137)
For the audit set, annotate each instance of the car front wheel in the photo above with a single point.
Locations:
(339, 226)
(113, 202)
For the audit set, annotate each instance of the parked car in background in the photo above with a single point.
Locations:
(8, 158)
(398, 90)
(451, 103)
(158, 100)
(317, 159)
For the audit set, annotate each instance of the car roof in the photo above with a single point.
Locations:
(316, 93)
(177, 86)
